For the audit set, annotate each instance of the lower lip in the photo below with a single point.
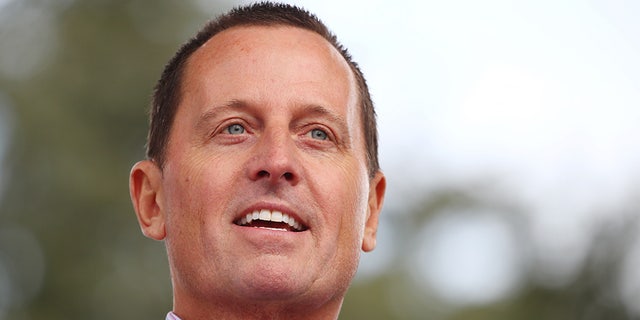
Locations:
(271, 237)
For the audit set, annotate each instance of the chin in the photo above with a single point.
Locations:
(278, 283)
(275, 282)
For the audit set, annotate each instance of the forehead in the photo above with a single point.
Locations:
(244, 56)
(264, 40)
(246, 37)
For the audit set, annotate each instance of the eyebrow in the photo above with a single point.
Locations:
(216, 111)
(320, 111)
(304, 111)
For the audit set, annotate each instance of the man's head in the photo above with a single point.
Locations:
(168, 91)
(263, 189)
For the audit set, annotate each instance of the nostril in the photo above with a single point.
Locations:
(266, 174)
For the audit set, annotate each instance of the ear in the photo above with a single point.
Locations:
(377, 187)
(145, 188)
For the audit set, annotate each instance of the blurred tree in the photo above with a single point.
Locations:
(80, 124)
(593, 294)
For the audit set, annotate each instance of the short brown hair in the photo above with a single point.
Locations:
(167, 93)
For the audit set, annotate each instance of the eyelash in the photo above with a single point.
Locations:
(329, 137)
(224, 130)
(228, 128)
(324, 133)
(225, 127)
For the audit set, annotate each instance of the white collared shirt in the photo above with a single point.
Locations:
(172, 316)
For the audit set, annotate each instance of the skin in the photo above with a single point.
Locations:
(269, 119)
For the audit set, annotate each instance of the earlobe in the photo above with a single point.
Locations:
(377, 189)
(145, 190)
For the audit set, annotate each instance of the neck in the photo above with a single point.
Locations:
(225, 308)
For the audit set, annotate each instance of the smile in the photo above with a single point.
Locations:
(274, 220)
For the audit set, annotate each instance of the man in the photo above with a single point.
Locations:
(262, 175)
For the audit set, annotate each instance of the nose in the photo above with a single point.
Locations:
(275, 159)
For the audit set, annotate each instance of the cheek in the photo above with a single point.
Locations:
(197, 177)
(190, 188)
(346, 193)
(195, 198)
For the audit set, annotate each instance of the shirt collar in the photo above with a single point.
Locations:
(172, 316)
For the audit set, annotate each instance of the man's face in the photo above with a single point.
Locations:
(268, 129)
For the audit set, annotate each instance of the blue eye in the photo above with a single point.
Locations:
(235, 129)
(318, 134)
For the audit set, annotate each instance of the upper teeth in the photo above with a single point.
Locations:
(268, 215)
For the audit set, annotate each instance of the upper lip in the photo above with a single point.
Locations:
(273, 207)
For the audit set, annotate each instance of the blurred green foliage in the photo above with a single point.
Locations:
(80, 124)
(69, 240)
